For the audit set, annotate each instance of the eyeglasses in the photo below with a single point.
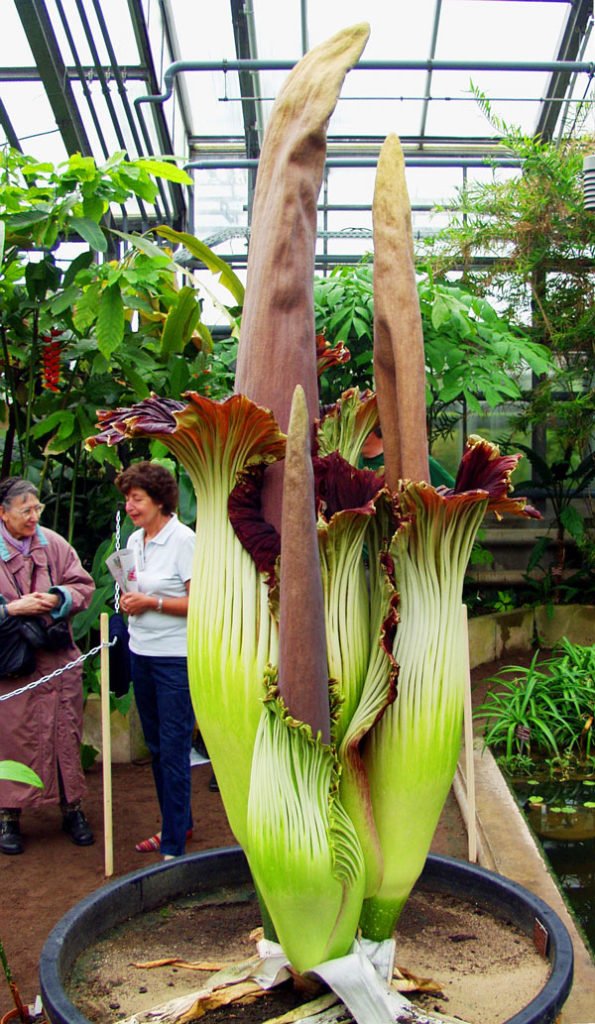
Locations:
(33, 510)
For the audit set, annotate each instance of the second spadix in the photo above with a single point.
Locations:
(302, 847)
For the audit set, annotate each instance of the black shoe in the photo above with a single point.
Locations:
(10, 836)
(77, 827)
(213, 784)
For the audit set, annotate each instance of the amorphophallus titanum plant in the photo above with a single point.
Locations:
(325, 640)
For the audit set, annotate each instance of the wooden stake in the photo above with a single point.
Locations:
(468, 732)
(106, 747)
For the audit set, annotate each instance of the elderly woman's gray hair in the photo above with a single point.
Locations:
(15, 487)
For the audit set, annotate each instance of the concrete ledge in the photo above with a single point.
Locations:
(127, 740)
(493, 636)
(575, 621)
(505, 843)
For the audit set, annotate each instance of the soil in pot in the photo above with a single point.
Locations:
(485, 969)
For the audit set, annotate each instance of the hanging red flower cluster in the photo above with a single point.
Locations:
(50, 354)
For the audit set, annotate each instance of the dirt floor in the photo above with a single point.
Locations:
(38, 887)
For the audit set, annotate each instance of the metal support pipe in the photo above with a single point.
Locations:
(364, 161)
(304, 25)
(127, 109)
(251, 25)
(160, 124)
(181, 66)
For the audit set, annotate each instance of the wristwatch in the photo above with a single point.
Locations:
(159, 604)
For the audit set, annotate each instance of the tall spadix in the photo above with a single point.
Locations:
(303, 668)
(278, 341)
(399, 363)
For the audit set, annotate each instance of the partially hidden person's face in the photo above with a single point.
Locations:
(142, 509)
(20, 516)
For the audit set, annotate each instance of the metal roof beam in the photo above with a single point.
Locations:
(244, 51)
(11, 136)
(578, 24)
(132, 122)
(428, 87)
(171, 38)
(179, 217)
(46, 52)
(244, 38)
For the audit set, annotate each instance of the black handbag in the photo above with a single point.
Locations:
(57, 635)
(119, 656)
(119, 652)
(20, 637)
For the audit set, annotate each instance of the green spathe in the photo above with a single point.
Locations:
(302, 848)
(412, 752)
(232, 636)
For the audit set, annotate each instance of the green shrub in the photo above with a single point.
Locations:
(546, 709)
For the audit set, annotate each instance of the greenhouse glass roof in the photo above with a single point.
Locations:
(198, 81)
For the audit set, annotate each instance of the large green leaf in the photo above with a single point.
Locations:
(136, 180)
(179, 377)
(87, 618)
(14, 771)
(93, 208)
(145, 246)
(90, 232)
(440, 312)
(572, 520)
(64, 299)
(206, 336)
(180, 322)
(202, 252)
(165, 169)
(60, 418)
(64, 438)
(81, 262)
(110, 321)
(27, 218)
(41, 277)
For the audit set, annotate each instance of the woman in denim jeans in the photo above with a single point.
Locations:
(157, 610)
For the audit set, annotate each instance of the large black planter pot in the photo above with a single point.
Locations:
(149, 888)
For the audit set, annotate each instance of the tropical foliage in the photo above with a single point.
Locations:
(14, 771)
(527, 244)
(546, 709)
(472, 353)
(82, 326)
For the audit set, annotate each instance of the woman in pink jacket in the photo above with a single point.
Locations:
(41, 575)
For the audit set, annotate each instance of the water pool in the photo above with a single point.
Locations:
(562, 817)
